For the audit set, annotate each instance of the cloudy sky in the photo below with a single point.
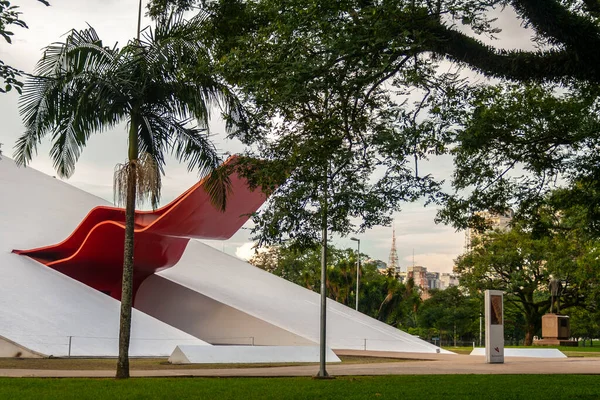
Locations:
(434, 246)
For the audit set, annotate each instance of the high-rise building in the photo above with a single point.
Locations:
(494, 220)
(447, 280)
(419, 275)
(393, 260)
(433, 280)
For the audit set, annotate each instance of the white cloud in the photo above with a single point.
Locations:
(245, 251)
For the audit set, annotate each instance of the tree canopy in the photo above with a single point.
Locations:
(322, 113)
(516, 143)
(524, 259)
(568, 31)
(332, 76)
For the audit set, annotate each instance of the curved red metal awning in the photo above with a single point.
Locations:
(93, 253)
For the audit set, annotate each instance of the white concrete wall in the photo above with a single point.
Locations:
(263, 296)
(10, 349)
(208, 319)
(249, 354)
(42, 308)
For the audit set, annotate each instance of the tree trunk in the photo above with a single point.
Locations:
(127, 282)
(454, 334)
(530, 331)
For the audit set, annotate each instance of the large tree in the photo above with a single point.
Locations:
(523, 260)
(568, 29)
(451, 314)
(343, 141)
(158, 85)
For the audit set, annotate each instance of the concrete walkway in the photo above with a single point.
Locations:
(412, 364)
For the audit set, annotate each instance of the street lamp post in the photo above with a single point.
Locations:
(357, 269)
(323, 331)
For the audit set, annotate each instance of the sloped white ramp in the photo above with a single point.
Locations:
(515, 352)
(222, 299)
(248, 354)
(48, 312)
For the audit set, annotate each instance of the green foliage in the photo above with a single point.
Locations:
(522, 261)
(571, 27)
(516, 142)
(319, 74)
(10, 15)
(450, 315)
(584, 323)
(322, 114)
(381, 296)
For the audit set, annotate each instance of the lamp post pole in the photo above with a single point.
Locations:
(323, 328)
(357, 270)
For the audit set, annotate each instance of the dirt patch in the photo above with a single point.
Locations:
(92, 364)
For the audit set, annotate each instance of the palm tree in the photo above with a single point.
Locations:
(158, 85)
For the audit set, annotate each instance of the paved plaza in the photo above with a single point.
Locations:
(410, 364)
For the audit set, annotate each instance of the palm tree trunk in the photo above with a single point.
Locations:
(127, 282)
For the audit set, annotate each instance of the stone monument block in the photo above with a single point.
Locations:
(555, 331)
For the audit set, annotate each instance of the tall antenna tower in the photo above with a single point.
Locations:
(393, 261)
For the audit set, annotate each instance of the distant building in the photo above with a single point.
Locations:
(427, 280)
(433, 280)
(393, 261)
(447, 280)
(402, 276)
(418, 274)
(496, 222)
(381, 265)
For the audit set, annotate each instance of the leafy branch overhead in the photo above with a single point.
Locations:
(345, 69)
(11, 16)
(321, 112)
(517, 142)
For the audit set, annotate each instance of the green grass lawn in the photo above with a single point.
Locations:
(505, 387)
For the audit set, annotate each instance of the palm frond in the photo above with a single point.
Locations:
(218, 186)
(68, 144)
(73, 94)
(194, 147)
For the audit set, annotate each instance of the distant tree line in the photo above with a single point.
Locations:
(448, 315)
(521, 261)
